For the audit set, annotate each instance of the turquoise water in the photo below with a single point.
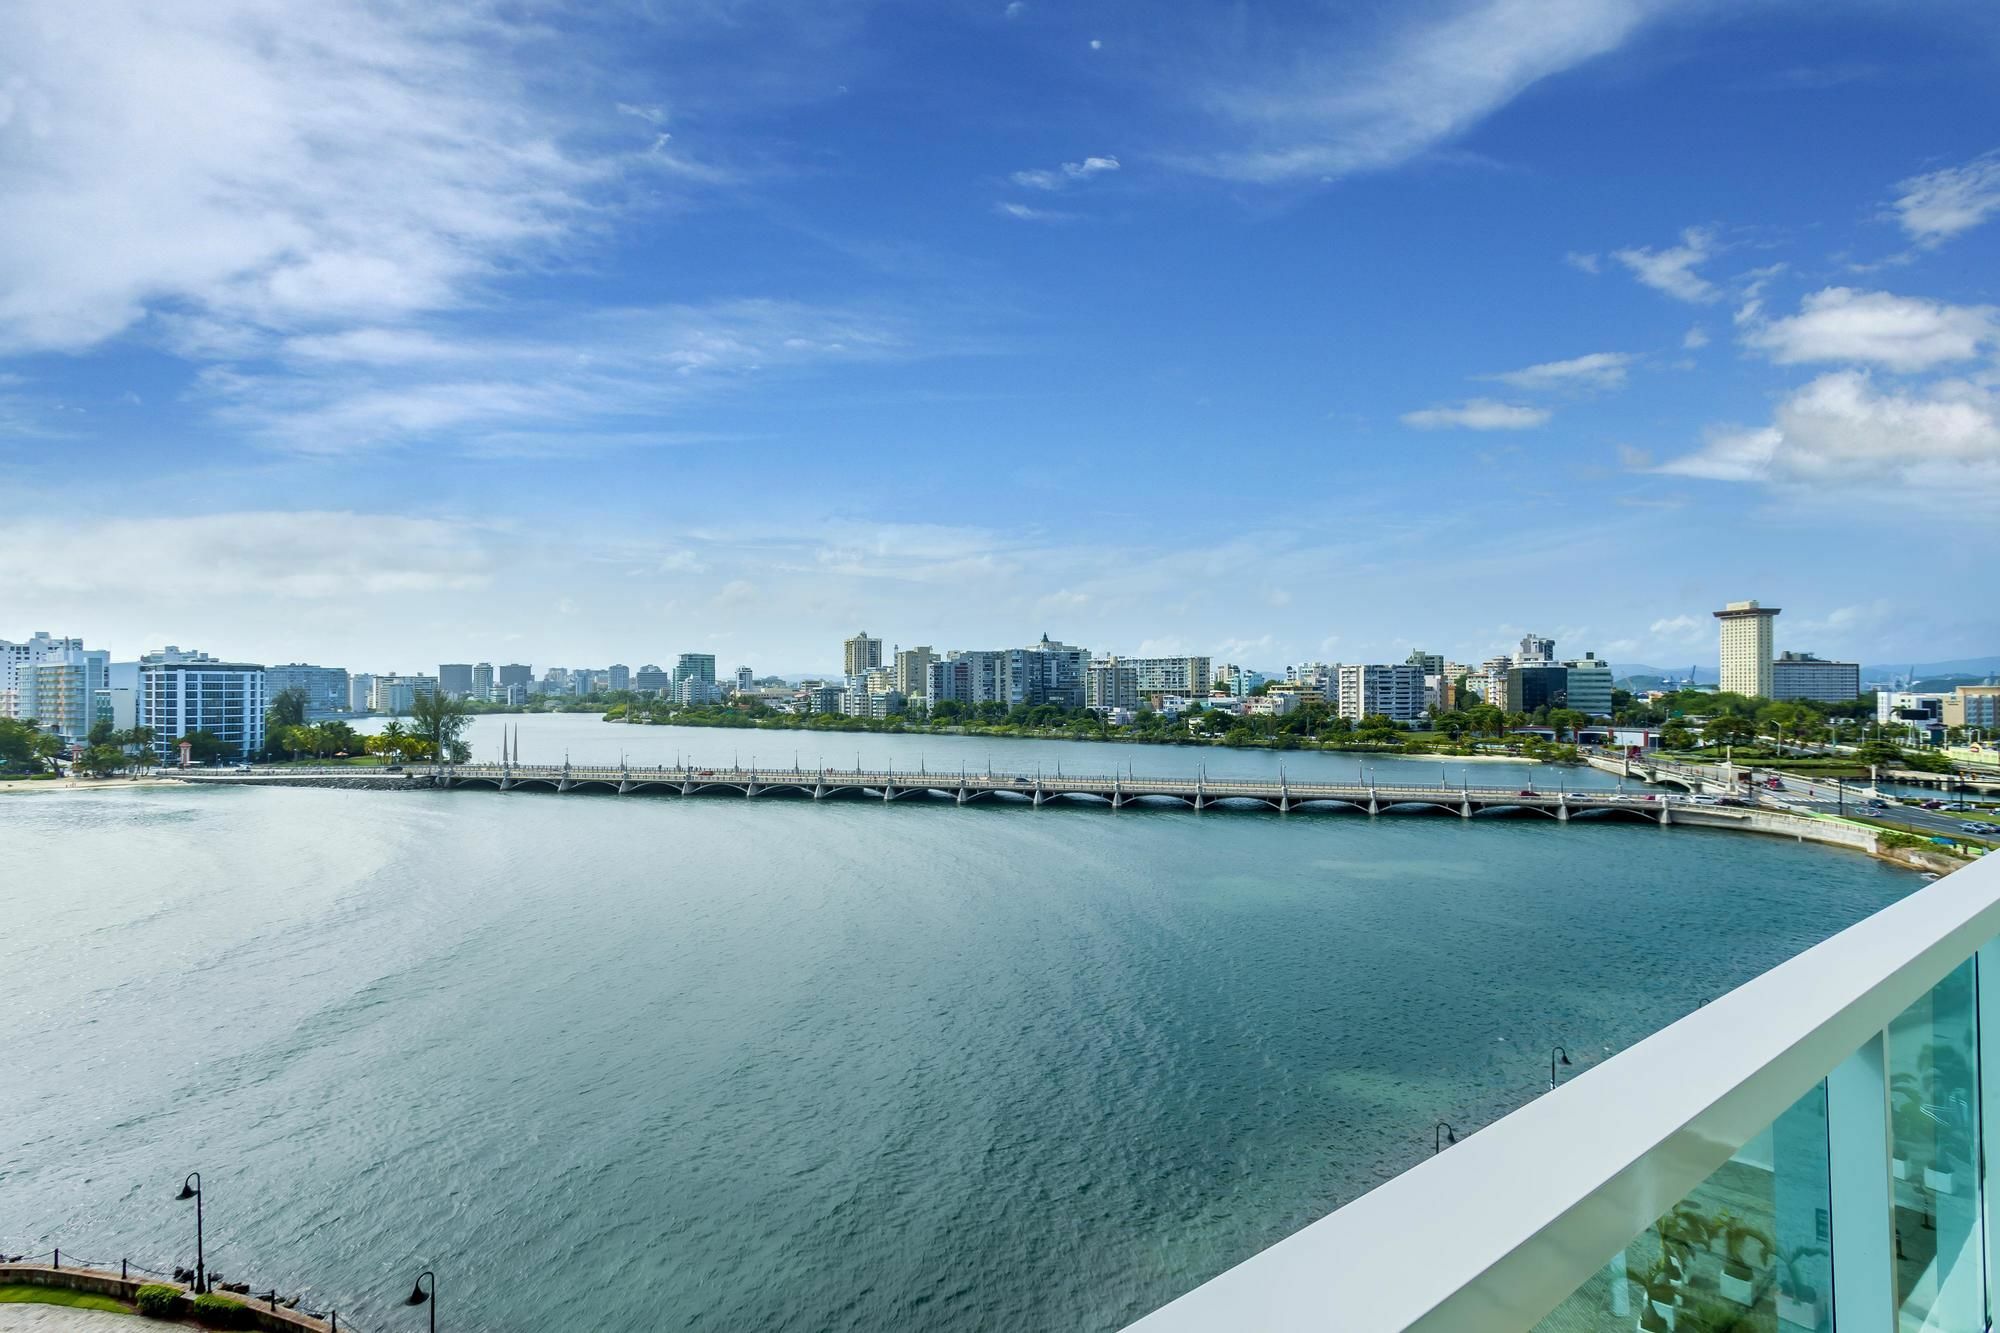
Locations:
(652, 1063)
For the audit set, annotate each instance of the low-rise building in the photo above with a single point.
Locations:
(1973, 706)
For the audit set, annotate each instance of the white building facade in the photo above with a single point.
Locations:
(182, 692)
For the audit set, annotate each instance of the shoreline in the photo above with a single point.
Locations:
(1307, 748)
(14, 786)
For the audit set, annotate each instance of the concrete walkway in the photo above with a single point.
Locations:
(25, 1318)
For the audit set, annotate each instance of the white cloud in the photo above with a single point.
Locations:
(332, 555)
(1695, 337)
(1040, 179)
(1839, 432)
(1477, 414)
(1597, 370)
(1901, 333)
(1938, 205)
(1362, 104)
(1672, 270)
(1025, 213)
(1587, 263)
(296, 164)
(1680, 627)
(372, 387)
(1015, 8)
(1096, 44)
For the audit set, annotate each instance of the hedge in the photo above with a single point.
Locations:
(157, 1300)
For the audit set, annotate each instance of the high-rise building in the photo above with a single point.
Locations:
(618, 676)
(1388, 690)
(182, 692)
(913, 667)
(1535, 649)
(1173, 675)
(861, 653)
(1538, 685)
(1746, 648)
(695, 666)
(1803, 676)
(516, 673)
(1432, 663)
(652, 679)
(1587, 685)
(482, 679)
(325, 688)
(1391, 691)
(360, 691)
(15, 658)
(455, 679)
(396, 695)
(746, 680)
(59, 689)
(1111, 684)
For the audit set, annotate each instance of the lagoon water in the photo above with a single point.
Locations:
(646, 1063)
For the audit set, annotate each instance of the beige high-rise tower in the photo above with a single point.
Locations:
(1746, 648)
(863, 654)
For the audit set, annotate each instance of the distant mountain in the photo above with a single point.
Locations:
(1977, 667)
(1640, 671)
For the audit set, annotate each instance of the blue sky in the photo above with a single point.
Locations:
(380, 336)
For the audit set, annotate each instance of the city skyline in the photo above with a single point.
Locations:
(1303, 334)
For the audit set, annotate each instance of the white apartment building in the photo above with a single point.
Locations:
(1392, 691)
(59, 688)
(1746, 648)
(15, 657)
(181, 692)
(1173, 675)
(913, 667)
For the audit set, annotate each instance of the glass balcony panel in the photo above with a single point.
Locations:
(1934, 1130)
(1745, 1252)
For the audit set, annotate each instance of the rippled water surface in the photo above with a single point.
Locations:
(649, 1063)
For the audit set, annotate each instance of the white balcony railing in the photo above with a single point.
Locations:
(1534, 1212)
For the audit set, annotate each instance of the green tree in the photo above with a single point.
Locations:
(25, 747)
(205, 747)
(102, 760)
(1677, 736)
(1729, 730)
(440, 721)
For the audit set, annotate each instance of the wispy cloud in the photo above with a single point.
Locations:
(1026, 213)
(1584, 261)
(1672, 270)
(369, 388)
(332, 162)
(1478, 414)
(1596, 370)
(1068, 173)
(1938, 205)
(1355, 105)
(1900, 333)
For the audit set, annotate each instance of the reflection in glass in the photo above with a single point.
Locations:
(1933, 1127)
(1745, 1252)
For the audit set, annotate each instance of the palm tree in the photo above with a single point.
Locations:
(393, 738)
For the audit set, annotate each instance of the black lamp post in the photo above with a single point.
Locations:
(419, 1296)
(1442, 1135)
(191, 1189)
(1556, 1053)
